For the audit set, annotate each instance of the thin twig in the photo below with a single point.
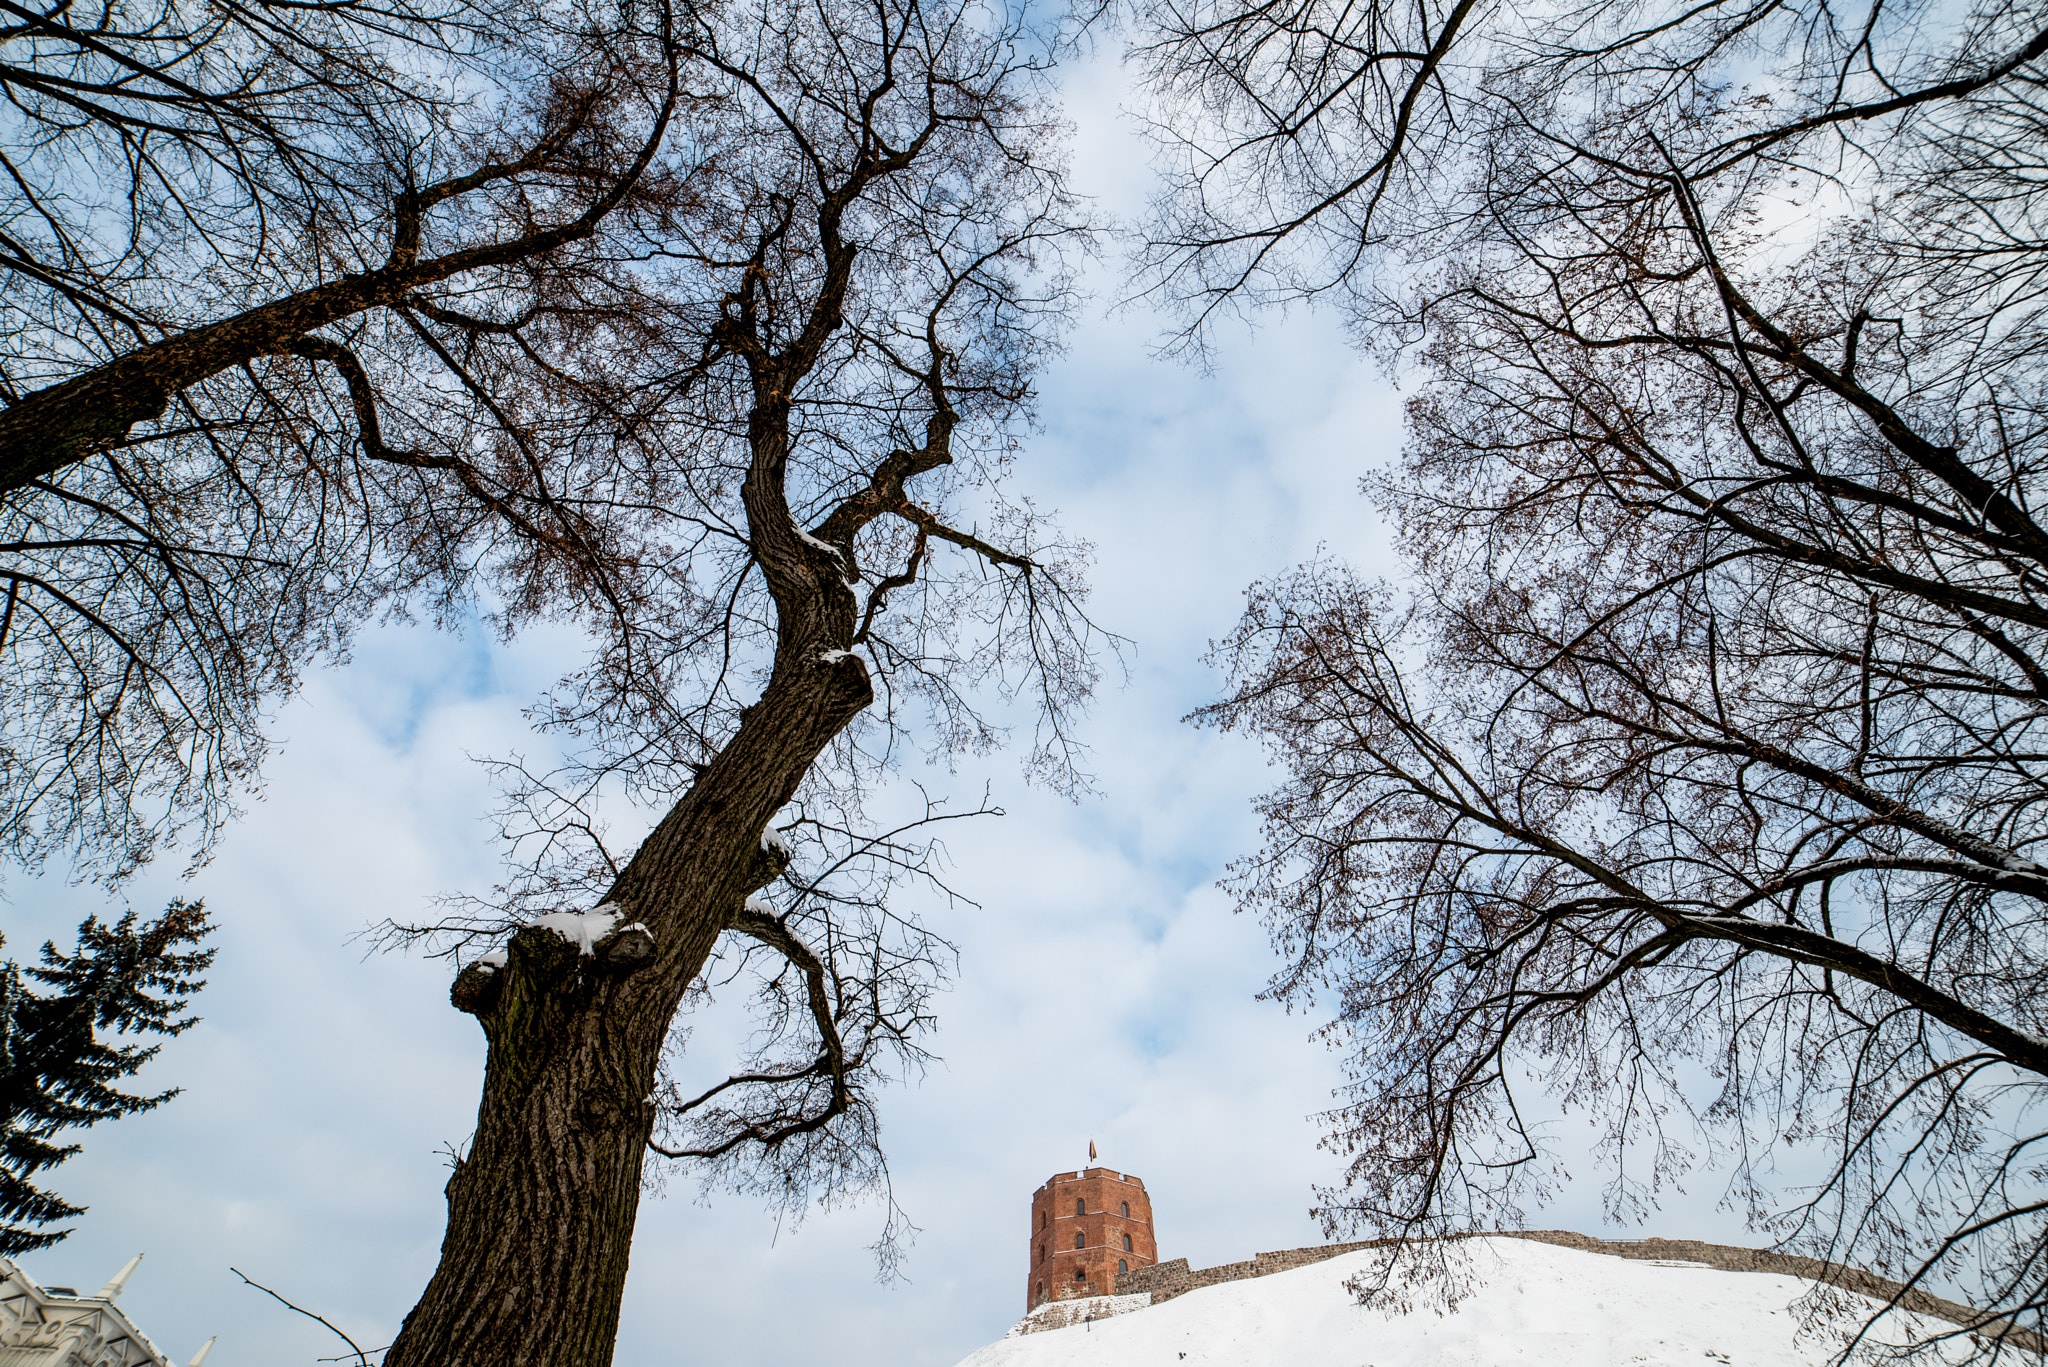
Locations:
(361, 1356)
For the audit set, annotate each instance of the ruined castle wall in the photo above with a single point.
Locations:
(1164, 1281)
(1729, 1258)
(1169, 1279)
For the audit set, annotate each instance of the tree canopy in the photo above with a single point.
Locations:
(707, 330)
(1691, 776)
(229, 234)
(58, 1068)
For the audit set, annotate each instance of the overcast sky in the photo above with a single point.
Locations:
(1105, 987)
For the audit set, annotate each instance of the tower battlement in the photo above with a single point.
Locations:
(1086, 1227)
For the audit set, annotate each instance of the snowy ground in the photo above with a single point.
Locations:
(1536, 1306)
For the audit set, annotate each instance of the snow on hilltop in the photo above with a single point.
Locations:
(1534, 1305)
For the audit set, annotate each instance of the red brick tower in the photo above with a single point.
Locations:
(1086, 1227)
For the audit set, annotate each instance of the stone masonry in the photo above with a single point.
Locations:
(1087, 1229)
(1175, 1278)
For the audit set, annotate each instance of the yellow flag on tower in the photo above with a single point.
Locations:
(1091, 1148)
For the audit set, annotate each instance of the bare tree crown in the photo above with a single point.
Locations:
(1706, 736)
(708, 330)
(217, 222)
(780, 431)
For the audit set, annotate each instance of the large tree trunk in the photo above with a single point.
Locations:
(541, 1211)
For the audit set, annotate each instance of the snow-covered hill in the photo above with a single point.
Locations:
(1535, 1305)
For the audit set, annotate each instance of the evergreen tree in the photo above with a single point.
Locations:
(57, 1067)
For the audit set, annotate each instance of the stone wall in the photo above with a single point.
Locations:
(1067, 1314)
(1169, 1279)
(1164, 1281)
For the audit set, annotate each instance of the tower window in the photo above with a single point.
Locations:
(1041, 1253)
(1080, 1274)
(1080, 1241)
(1122, 1266)
(1080, 1207)
(1127, 1243)
(1041, 1288)
(1042, 1218)
(1127, 1210)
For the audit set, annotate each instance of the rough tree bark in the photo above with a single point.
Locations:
(541, 1212)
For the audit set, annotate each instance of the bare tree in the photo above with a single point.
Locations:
(709, 330)
(788, 420)
(1703, 740)
(220, 227)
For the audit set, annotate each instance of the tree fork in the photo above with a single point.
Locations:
(541, 1210)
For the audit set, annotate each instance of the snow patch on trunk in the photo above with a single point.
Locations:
(835, 552)
(582, 929)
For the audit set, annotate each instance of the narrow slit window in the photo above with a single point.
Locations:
(1080, 1241)
(1122, 1266)
(1127, 1210)
(1127, 1243)
(1080, 1207)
